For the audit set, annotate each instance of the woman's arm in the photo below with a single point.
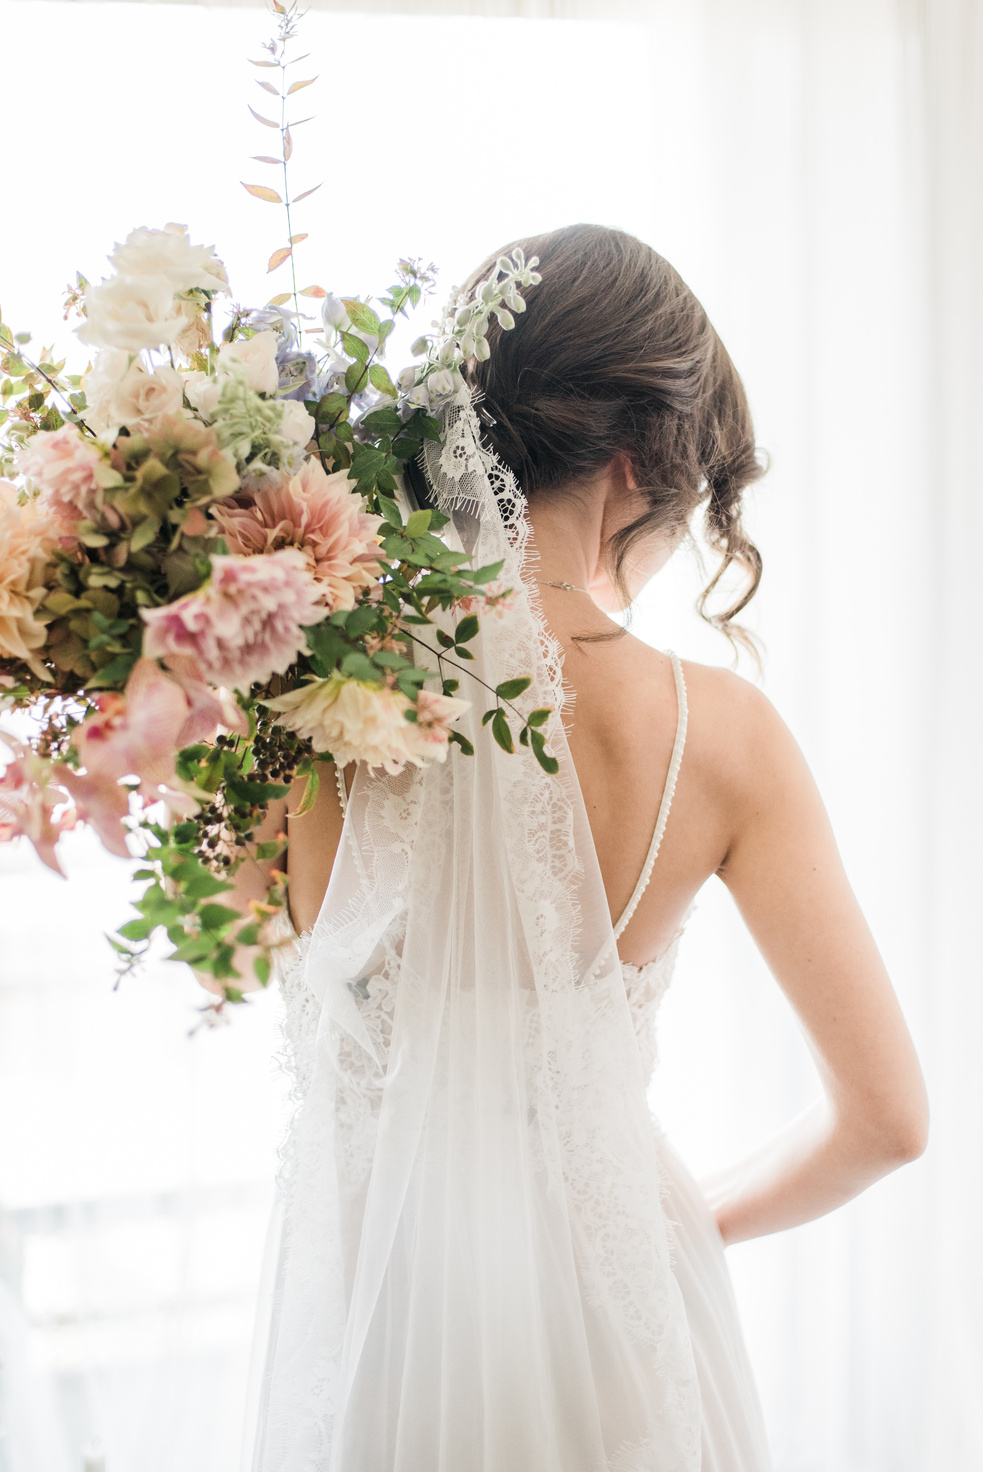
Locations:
(785, 873)
(307, 855)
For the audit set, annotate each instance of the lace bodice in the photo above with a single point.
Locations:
(645, 986)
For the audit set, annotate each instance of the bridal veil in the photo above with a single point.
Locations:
(474, 1270)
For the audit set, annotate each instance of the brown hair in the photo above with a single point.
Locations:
(615, 354)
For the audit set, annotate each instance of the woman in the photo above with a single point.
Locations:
(508, 1290)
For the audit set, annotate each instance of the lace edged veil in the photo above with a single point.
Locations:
(474, 1273)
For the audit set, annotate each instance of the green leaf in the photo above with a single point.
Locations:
(333, 407)
(184, 832)
(466, 629)
(486, 574)
(379, 378)
(360, 667)
(136, 929)
(362, 316)
(418, 523)
(355, 377)
(261, 966)
(196, 948)
(500, 730)
(390, 511)
(509, 689)
(382, 421)
(213, 917)
(489, 715)
(247, 935)
(116, 672)
(310, 794)
(548, 763)
(196, 881)
(269, 850)
(462, 742)
(354, 347)
(539, 717)
(244, 791)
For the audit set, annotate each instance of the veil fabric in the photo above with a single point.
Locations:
(474, 1273)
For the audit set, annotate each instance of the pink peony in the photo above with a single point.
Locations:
(360, 722)
(320, 514)
(28, 793)
(245, 624)
(63, 463)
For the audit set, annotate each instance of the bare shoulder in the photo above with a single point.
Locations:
(737, 741)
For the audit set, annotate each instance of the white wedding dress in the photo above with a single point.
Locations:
(490, 1260)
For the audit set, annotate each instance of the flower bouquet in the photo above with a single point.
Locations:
(207, 582)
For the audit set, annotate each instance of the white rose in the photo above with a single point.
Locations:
(203, 390)
(132, 313)
(169, 256)
(257, 356)
(297, 424)
(120, 391)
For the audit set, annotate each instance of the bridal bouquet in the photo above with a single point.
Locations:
(207, 585)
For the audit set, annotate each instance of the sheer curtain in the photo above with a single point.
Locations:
(814, 171)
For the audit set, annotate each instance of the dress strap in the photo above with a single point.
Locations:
(667, 795)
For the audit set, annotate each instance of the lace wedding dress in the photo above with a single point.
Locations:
(490, 1261)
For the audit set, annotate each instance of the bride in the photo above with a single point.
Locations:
(490, 1259)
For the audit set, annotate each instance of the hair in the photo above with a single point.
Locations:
(615, 355)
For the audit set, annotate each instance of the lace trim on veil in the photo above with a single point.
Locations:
(475, 1271)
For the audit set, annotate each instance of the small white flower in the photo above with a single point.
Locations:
(419, 397)
(407, 380)
(441, 382)
(505, 319)
(420, 346)
(334, 313)
(132, 313)
(297, 424)
(257, 356)
(481, 349)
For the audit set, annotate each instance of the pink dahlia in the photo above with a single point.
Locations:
(321, 515)
(63, 463)
(136, 734)
(245, 624)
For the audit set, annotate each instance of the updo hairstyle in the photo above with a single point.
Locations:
(615, 354)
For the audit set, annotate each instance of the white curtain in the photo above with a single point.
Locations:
(814, 169)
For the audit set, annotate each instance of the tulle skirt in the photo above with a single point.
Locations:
(733, 1431)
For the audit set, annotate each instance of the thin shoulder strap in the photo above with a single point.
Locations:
(667, 795)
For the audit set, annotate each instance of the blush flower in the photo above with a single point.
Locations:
(119, 391)
(27, 537)
(319, 514)
(245, 624)
(28, 794)
(361, 722)
(135, 734)
(63, 463)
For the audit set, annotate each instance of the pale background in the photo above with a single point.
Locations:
(813, 167)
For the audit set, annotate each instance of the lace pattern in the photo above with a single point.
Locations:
(463, 1040)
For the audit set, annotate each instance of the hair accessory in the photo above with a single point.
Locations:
(567, 587)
